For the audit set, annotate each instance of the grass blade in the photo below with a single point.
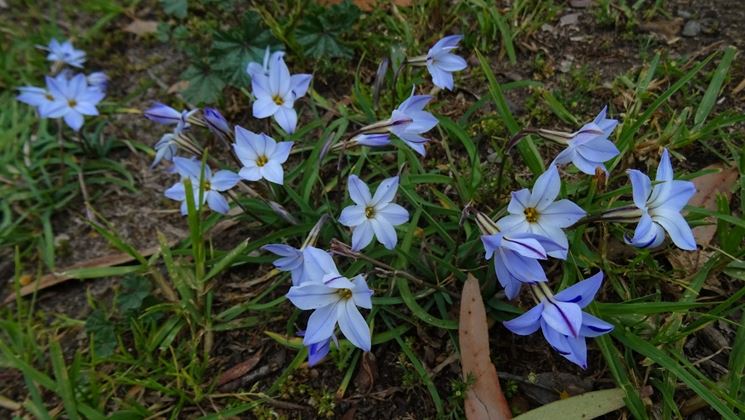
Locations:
(526, 147)
(710, 96)
(64, 386)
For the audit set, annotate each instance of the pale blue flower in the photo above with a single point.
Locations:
(212, 187)
(661, 207)
(538, 212)
(261, 155)
(98, 80)
(409, 121)
(317, 351)
(164, 114)
(334, 300)
(562, 321)
(276, 92)
(216, 123)
(73, 99)
(441, 62)
(64, 52)
(254, 68)
(373, 215)
(589, 147)
(37, 97)
(165, 148)
(290, 259)
(372, 140)
(516, 256)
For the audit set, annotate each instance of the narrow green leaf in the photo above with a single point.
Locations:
(65, 388)
(410, 301)
(526, 147)
(619, 370)
(658, 356)
(226, 260)
(710, 96)
(585, 406)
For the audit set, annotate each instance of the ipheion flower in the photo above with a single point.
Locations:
(261, 155)
(373, 216)
(539, 212)
(660, 207)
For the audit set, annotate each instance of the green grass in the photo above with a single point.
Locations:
(151, 350)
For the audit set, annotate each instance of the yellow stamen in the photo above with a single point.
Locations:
(344, 293)
(278, 100)
(72, 103)
(531, 214)
(261, 160)
(370, 212)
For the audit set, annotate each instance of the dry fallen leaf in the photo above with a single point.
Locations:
(484, 399)
(667, 29)
(708, 187)
(141, 27)
(239, 370)
(63, 275)
(365, 379)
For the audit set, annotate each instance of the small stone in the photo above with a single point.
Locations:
(685, 14)
(580, 4)
(691, 29)
(570, 19)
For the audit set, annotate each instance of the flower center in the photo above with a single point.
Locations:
(206, 186)
(49, 97)
(344, 293)
(369, 212)
(261, 160)
(72, 103)
(531, 214)
(278, 100)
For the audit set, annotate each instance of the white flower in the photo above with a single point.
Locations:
(538, 212)
(373, 216)
(261, 156)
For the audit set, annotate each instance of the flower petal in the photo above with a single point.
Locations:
(322, 322)
(224, 180)
(593, 326)
(358, 191)
(527, 323)
(394, 214)
(282, 151)
(264, 107)
(317, 263)
(519, 202)
(386, 191)
(354, 326)
(312, 296)
(385, 232)
(583, 292)
(545, 189)
(352, 215)
(362, 235)
(564, 317)
(561, 214)
(513, 223)
(361, 294)
(286, 118)
(677, 227)
(217, 202)
(641, 187)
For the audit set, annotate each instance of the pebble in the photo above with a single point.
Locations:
(692, 28)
